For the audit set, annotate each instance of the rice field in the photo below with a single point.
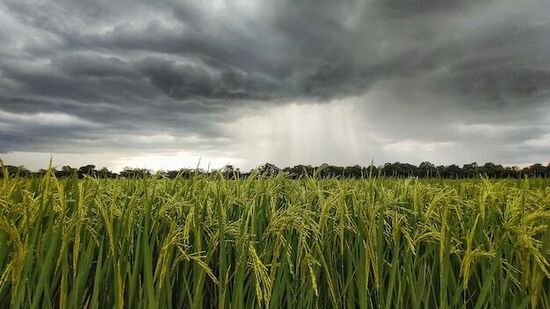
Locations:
(209, 242)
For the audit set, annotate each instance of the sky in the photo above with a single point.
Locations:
(176, 83)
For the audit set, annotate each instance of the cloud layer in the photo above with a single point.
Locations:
(441, 79)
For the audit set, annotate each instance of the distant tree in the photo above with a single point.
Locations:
(535, 170)
(388, 170)
(128, 172)
(441, 171)
(268, 169)
(511, 172)
(324, 170)
(87, 170)
(105, 173)
(228, 172)
(184, 173)
(470, 170)
(396, 169)
(172, 174)
(426, 169)
(299, 171)
(66, 171)
(492, 170)
(14, 171)
(42, 172)
(371, 171)
(355, 171)
(452, 171)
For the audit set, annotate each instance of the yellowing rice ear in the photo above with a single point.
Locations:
(209, 242)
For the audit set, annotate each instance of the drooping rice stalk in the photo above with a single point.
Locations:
(209, 242)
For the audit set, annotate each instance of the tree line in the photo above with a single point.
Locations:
(397, 169)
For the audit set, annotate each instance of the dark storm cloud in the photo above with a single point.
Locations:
(406, 8)
(184, 68)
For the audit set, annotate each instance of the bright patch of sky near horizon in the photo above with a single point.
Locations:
(162, 85)
(335, 133)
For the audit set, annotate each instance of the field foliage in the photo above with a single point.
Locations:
(274, 242)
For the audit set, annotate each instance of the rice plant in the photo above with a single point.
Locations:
(272, 242)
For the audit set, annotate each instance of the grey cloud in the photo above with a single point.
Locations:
(193, 81)
(186, 68)
(406, 8)
(505, 86)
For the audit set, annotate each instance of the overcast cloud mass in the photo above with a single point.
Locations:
(161, 83)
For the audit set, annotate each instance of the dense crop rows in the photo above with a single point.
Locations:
(274, 242)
